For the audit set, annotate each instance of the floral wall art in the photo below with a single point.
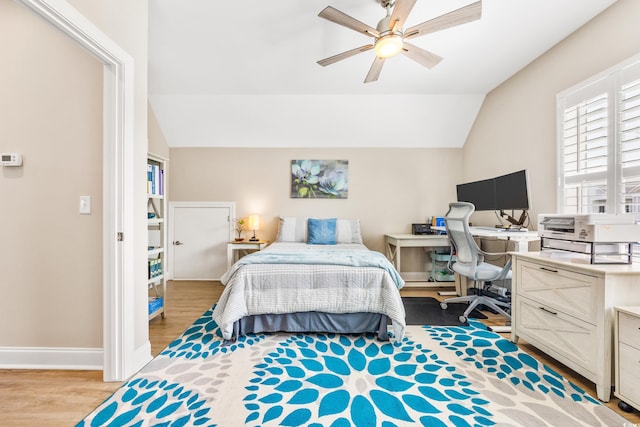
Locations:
(319, 179)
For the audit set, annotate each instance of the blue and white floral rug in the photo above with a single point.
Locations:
(437, 376)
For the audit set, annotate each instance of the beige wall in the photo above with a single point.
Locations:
(50, 255)
(388, 188)
(516, 127)
(52, 102)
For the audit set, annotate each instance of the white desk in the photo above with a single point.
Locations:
(520, 238)
(394, 244)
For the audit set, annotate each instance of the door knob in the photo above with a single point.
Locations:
(177, 243)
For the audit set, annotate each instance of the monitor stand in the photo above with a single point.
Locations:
(514, 223)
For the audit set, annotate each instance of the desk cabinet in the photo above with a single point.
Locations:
(564, 307)
(627, 355)
(394, 244)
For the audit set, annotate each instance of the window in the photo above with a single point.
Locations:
(599, 143)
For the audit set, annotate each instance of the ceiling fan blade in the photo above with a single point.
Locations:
(374, 71)
(334, 15)
(344, 55)
(460, 16)
(400, 12)
(421, 56)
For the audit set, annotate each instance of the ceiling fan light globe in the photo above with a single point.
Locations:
(388, 46)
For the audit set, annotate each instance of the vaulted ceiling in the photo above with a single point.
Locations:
(244, 73)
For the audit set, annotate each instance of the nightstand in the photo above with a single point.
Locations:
(236, 250)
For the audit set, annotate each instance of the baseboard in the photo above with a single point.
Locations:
(89, 359)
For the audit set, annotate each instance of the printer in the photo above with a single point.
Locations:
(606, 238)
(595, 228)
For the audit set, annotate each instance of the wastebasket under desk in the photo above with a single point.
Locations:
(395, 242)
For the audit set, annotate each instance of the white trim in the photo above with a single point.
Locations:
(51, 358)
(142, 356)
(173, 205)
(600, 76)
(118, 172)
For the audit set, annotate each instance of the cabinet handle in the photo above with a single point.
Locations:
(178, 243)
(549, 311)
(548, 269)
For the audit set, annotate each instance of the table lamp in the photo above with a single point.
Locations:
(254, 224)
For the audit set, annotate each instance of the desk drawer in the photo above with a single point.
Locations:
(629, 330)
(562, 291)
(571, 338)
(629, 379)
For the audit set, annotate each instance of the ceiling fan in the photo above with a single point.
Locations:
(389, 37)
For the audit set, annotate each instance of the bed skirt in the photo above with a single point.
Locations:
(313, 321)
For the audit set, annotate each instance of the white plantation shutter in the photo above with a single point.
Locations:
(584, 155)
(599, 143)
(629, 142)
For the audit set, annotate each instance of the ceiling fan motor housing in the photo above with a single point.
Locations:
(389, 42)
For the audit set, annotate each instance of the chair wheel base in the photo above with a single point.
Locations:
(462, 319)
(625, 406)
(443, 305)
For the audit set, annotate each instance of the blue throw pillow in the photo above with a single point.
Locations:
(321, 231)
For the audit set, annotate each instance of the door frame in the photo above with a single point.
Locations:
(173, 205)
(119, 355)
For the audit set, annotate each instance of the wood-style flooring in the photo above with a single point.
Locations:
(62, 398)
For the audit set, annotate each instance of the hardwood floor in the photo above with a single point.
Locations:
(54, 398)
(62, 398)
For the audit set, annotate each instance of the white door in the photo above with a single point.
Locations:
(198, 235)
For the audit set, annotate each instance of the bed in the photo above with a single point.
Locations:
(304, 284)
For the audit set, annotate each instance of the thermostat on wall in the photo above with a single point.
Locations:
(11, 159)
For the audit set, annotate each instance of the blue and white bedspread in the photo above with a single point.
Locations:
(296, 277)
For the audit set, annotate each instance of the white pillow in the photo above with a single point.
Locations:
(292, 229)
(348, 231)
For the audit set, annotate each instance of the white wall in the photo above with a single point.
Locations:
(328, 120)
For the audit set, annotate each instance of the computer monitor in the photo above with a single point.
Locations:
(511, 191)
(502, 193)
(481, 193)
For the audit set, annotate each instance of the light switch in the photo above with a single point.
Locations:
(85, 205)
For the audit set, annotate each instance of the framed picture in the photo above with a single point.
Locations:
(319, 179)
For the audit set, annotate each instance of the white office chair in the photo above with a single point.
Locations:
(469, 262)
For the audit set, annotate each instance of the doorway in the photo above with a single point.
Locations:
(120, 358)
(198, 236)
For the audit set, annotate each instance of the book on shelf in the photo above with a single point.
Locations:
(155, 180)
(155, 303)
(154, 268)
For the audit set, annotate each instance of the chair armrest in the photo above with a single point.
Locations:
(452, 251)
(494, 253)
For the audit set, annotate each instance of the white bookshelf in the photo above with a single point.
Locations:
(157, 235)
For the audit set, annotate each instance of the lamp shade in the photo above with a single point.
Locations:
(388, 45)
(254, 222)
